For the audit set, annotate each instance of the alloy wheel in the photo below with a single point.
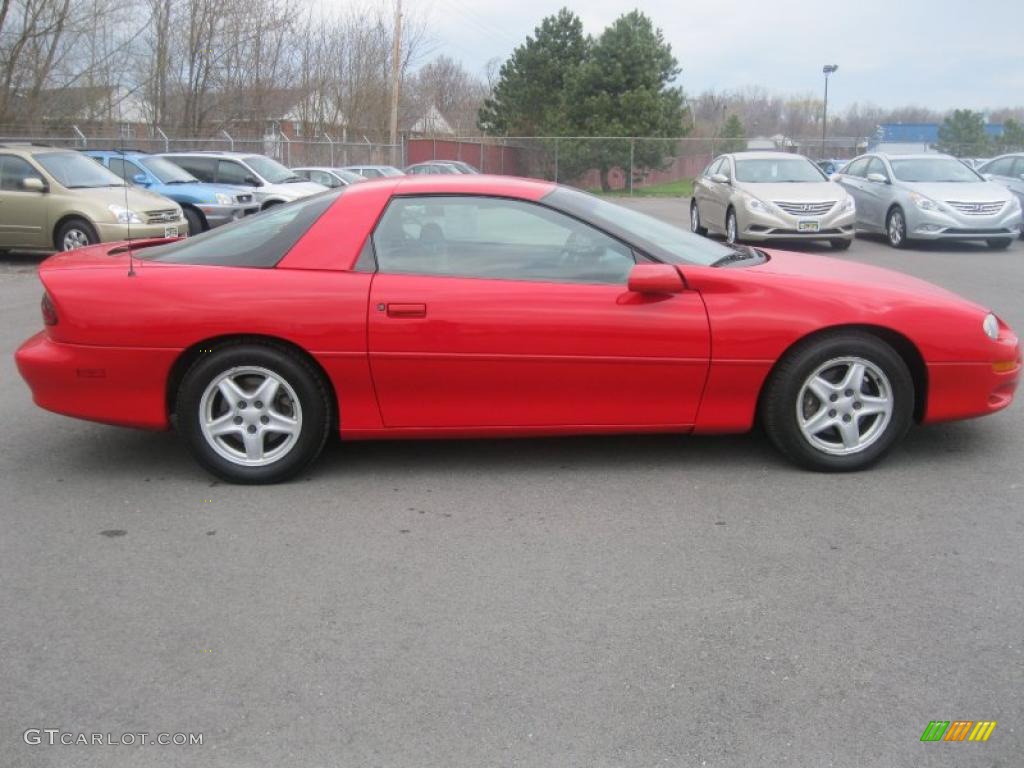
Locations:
(75, 238)
(897, 228)
(730, 228)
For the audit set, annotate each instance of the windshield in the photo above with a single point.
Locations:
(387, 170)
(166, 171)
(76, 171)
(777, 170)
(271, 170)
(932, 169)
(664, 241)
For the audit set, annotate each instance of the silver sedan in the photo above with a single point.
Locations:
(929, 197)
(756, 196)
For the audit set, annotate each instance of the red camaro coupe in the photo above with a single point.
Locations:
(449, 306)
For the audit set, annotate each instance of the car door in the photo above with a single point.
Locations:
(853, 180)
(497, 313)
(704, 193)
(876, 195)
(24, 220)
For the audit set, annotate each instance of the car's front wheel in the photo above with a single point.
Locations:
(838, 402)
(731, 228)
(896, 228)
(253, 413)
(840, 244)
(695, 225)
(75, 233)
(999, 243)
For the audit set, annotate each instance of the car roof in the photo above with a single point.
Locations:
(762, 154)
(914, 156)
(212, 153)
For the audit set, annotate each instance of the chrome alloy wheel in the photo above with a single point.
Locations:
(844, 406)
(694, 219)
(730, 229)
(250, 416)
(897, 228)
(75, 238)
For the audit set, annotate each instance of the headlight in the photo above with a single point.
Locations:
(924, 203)
(849, 205)
(223, 199)
(990, 325)
(124, 215)
(755, 205)
(1015, 203)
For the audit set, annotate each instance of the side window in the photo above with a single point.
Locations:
(370, 173)
(203, 168)
(125, 169)
(13, 171)
(303, 174)
(726, 168)
(876, 166)
(857, 168)
(324, 178)
(495, 238)
(714, 167)
(1018, 168)
(230, 172)
(1001, 167)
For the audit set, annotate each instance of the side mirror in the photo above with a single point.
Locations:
(139, 178)
(655, 278)
(878, 178)
(33, 184)
(719, 178)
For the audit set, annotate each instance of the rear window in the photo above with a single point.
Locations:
(257, 241)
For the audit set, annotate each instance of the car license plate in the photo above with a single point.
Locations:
(170, 231)
(807, 226)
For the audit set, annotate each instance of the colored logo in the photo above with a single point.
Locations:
(958, 730)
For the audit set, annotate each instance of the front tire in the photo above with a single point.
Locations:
(838, 403)
(75, 233)
(999, 243)
(695, 225)
(840, 244)
(896, 228)
(253, 413)
(731, 228)
(195, 221)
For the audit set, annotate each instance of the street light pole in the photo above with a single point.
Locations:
(827, 70)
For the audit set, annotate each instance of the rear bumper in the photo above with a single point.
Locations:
(113, 385)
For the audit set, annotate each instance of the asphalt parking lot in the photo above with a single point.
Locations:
(632, 601)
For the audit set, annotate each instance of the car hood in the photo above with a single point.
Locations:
(798, 192)
(138, 199)
(295, 189)
(965, 192)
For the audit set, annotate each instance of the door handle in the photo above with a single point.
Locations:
(407, 310)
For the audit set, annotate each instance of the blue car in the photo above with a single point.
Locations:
(205, 205)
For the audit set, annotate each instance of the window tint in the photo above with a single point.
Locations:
(255, 241)
(324, 178)
(13, 171)
(1018, 168)
(1002, 166)
(857, 167)
(714, 167)
(876, 166)
(125, 169)
(230, 172)
(495, 238)
(370, 173)
(203, 168)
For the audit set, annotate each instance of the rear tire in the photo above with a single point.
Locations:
(195, 221)
(253, 413)
(840, 245)
(695, 225)
(75, 233)
(808, 414)
(999, 243)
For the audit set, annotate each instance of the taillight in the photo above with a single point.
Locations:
(49, 311)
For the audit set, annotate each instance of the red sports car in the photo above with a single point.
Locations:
(475, 306)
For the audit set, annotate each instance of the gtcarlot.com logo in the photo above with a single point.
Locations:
(958, 730)
(56, 736)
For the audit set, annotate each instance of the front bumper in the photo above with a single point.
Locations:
(113, 385)
(948, 224)
(967, 390)
(779, 225)
(111, 233)
(217, 215)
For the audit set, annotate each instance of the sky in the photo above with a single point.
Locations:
(940, 54)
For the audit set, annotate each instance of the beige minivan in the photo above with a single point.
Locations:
(53, 198)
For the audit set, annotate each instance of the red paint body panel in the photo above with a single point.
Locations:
(417, 356)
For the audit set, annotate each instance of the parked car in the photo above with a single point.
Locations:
(1007, 170)
(53, 198)
(374, 171)
(828, 167)
(205, 205)
(929, 197)
(755, 196)
(441, 166)
(329, 177)
(449, 306)
(271, 182)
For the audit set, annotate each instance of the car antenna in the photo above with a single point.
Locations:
(128, 221)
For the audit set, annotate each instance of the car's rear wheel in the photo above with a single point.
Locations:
(252, 413)
(838, 402)
(999, 243)
(896, 228)
(75, 233)
(695, 225)
(195, 221)
(731, 229)
(840, 244)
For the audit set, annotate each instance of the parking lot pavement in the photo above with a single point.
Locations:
(632, 601)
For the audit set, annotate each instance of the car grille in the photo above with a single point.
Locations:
(162, 217)
(806, 209)
(243, 198)
(977, 209)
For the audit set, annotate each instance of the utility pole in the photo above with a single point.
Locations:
(396, 69)
(827, 70)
